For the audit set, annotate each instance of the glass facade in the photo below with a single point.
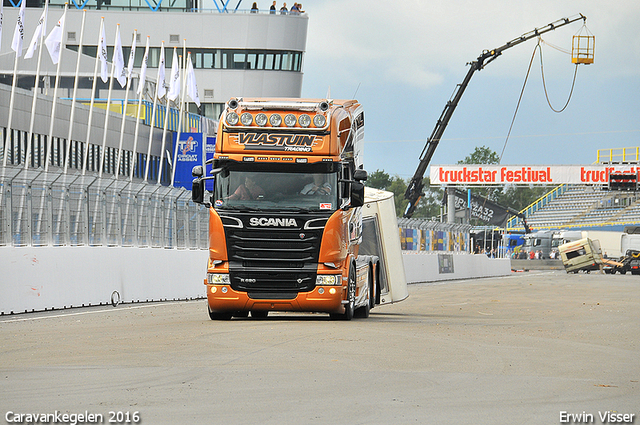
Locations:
(259, 60)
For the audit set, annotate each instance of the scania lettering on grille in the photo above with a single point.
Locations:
(277, 142)
(273, 222)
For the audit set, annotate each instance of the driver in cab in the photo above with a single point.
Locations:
(317, 187)
(247, 191)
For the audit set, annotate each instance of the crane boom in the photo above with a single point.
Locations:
(414, 189)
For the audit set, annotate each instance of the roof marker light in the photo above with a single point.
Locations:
(261, 119)
(275, 120)
(232, 118)
(319, 121)
(304, 120)
(246, 119)
(290, 120)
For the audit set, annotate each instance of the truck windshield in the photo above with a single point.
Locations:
(272, 190)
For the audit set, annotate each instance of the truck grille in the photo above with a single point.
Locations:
(273, 263)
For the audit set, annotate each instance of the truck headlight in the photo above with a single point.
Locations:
(218, 279)
(328, 279)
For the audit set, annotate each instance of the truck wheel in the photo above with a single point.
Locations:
(219, 316)
(349, 308)
(363, 312)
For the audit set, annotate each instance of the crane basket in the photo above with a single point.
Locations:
(583, 47)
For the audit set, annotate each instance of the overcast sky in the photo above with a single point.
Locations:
(403, 60)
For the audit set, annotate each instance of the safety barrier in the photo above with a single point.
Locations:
(427, 236)
(53, 209)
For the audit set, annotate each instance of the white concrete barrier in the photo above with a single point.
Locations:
(43, 278)
(436, 266)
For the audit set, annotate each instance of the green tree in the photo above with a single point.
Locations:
(481, 155)
(379, 180)
(484, 155)
(429, 205)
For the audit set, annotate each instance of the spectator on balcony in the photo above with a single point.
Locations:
(284, 10)
(272, 9)
(254, 7)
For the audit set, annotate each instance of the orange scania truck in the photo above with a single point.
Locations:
(290, 226)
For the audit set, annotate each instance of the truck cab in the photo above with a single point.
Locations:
(285, 215)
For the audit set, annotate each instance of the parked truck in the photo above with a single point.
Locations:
(291, 227)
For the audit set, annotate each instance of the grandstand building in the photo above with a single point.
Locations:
(587, 206)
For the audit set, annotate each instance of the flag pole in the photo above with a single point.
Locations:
(168, 109)
(11, 101)
(141, 84)
(159, 90)
(93, 93)
(106, 116)
(75, 93)
(182, 96)
(132, 57)
(55, 99)
(36, 86)
(16, 45)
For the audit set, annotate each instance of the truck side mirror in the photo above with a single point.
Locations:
(197, 171)
(197, 190)
(360, 175)
(357, 194)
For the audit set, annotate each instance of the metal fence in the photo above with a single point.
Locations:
(53, 209)
(433, 236)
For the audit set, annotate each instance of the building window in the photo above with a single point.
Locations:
(263, 60)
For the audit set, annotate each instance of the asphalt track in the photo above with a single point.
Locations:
(524, 349)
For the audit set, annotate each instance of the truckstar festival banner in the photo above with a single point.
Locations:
(484, 175)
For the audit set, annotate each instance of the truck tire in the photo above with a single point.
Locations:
(363, 312)
(349, 308)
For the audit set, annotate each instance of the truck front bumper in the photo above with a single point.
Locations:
(326, 299)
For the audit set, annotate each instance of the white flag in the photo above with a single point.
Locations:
(160, 90)
(192, 87)
(54, 40)
(42, 23)
(102, 54)
(18, 33)
(143, 68)
(118, 60)
(174, 85)
(132, 56)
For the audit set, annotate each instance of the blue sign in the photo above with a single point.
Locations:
(189, 155)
